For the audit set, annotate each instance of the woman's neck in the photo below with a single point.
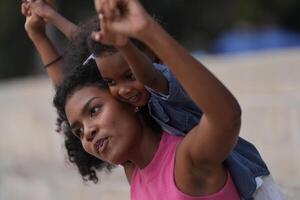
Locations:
(145, 151)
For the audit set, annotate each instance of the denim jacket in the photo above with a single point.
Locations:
(177, 114)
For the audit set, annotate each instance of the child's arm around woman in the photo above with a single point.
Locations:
(200, 155)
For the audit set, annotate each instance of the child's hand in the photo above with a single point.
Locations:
(126, 17)
(42, 9)
(108, 37)
(34, 25)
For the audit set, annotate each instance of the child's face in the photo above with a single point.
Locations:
(122, 83)
(108, 129)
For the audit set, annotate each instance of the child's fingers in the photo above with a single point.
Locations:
(113, 5)
(107, 8)
(103, 24)
(100, 6)
(27, 1)
(36, 17)
(23, 9)
(115, 8)
(97, 4)
(33, 4)
(107, 11)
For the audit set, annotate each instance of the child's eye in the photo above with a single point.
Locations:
(78, 132)
(94, 110)
(130, 77)
(110, 82)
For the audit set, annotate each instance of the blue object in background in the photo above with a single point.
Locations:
(245, 40)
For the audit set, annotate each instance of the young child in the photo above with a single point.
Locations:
(165, 166)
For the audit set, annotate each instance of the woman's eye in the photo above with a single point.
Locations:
(130, 77)
(94, 111)
(78, 132)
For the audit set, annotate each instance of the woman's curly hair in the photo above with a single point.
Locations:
(76, 76)
(77, 50)
(81, 76)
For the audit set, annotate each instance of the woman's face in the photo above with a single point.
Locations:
(122, 83)
(108, 129)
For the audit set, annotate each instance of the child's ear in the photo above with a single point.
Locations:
(136, 109)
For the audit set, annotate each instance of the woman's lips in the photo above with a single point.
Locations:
(101, 144)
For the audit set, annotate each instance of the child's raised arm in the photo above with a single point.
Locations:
(209, 143)
(35, 28)
(50, 15)
(140, 65)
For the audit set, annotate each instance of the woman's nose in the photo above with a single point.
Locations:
(91, 133)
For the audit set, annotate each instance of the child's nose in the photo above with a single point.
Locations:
(124, 90)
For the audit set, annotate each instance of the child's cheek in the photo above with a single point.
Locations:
(113, 91)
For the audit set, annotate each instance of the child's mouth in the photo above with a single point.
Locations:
(134, 99)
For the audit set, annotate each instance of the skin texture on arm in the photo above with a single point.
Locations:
(199, 157)
(139, 63)
(50, 15)
(35, 28)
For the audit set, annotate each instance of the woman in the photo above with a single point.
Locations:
(112, 131)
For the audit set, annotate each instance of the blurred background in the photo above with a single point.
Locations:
(253, 46)
(213, 26)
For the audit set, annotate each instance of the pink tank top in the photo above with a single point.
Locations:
(156, 180)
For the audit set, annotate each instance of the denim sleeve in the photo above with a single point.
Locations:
(176, 92)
